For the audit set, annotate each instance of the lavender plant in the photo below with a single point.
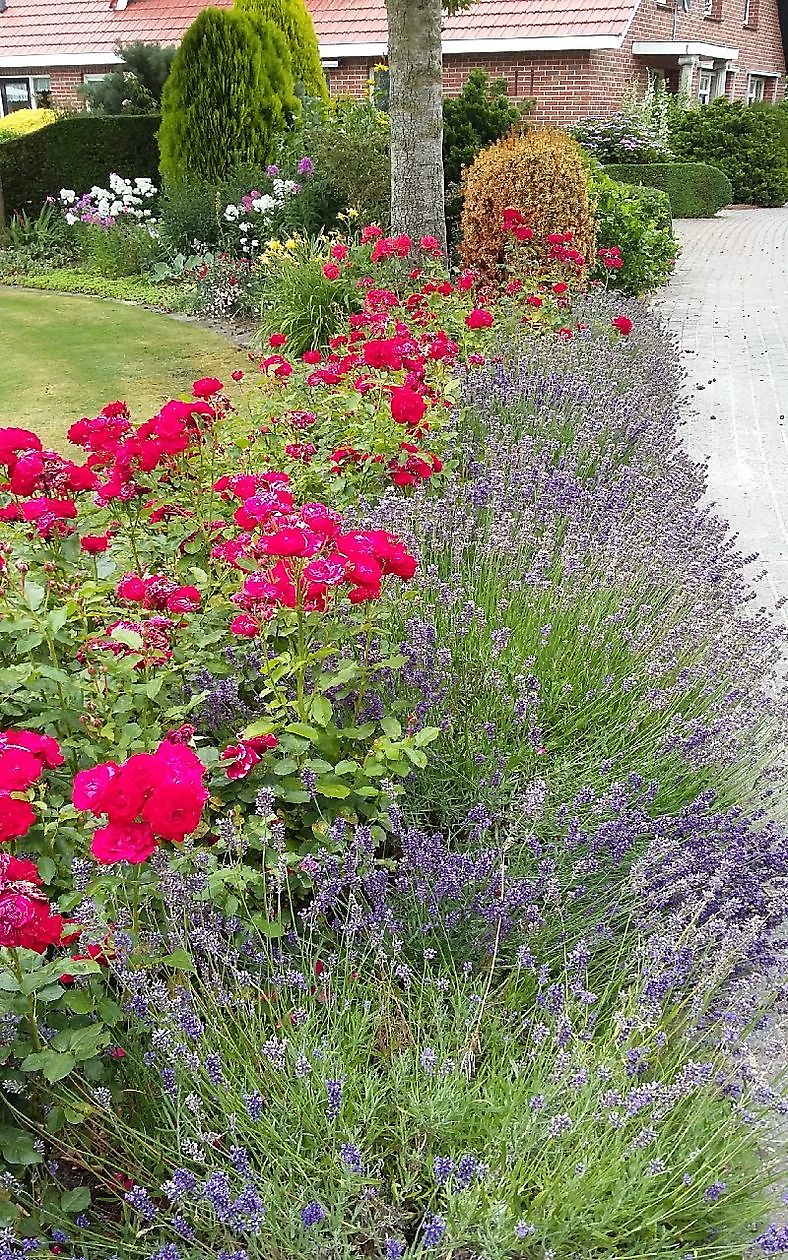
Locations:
(333, 1095)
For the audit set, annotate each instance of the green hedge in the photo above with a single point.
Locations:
(743, 142)
(696, 191)
(77, 152)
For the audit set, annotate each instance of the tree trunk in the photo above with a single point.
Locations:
(416, 118)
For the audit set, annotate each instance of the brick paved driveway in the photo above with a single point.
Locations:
(728, 303)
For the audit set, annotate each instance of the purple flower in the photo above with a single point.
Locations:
(139, 1199)
(433, 1228)
(715, 1191)
(394, 1249)
(351, 1157)
(774, 1240)
(305, 167)
(334, 1091)
(312, 1214)
(272, 171)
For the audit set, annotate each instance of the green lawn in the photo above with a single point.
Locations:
(62, 357)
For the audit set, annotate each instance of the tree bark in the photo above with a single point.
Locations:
(416, 118)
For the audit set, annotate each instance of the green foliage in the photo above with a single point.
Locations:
(127, 249)
(297, 299)
(743, 142)
(480, 115)
(349, 143)
(695, 189)
(638, 221)
(778, 117)
(77, 152)
(135, 86)
(123, 289)
(292, 18)
(33, 241)
(229, 95)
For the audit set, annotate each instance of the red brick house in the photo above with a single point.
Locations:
(574, 57)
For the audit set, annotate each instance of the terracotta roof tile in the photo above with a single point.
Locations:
(58, 27)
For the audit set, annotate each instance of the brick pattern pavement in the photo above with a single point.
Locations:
(728, 304)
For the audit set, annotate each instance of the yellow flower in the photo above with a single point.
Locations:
(292, 243)
(352, 213)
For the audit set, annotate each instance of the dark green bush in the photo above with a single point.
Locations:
(77, 152)
(480, 115)
(742, 141)
(695, 189)
(135, 86)
(637, 220)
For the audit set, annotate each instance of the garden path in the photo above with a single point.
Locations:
(728, 304)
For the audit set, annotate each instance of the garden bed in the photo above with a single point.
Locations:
(392, 737)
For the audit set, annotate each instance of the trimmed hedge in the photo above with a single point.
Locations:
(77, 152)
(695, 190)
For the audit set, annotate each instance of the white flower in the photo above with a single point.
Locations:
(68, 196)
(71, 218)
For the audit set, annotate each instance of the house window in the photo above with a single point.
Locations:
(42, 91)
(94, 78)
(712, 9)
(705, 82)
(757, 88)
(750, 14)
(14, 94)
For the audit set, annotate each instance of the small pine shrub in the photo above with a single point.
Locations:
(742, 141)
(480, 115)
(292, 18)
(136, 85)
(229, 95)
(543, 174)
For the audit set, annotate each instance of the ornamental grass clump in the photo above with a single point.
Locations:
(541, 174)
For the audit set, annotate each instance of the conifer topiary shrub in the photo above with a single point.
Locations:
(543, 174)
(294, 20)
(228, 96)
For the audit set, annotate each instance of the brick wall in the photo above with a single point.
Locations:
(559, 82)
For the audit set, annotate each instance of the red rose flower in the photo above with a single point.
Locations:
(94, 543)
(175, 810)
(244, 626)
(16, 817)
(407, 407)
(624, 324)
(206, 387)
(132, 842)
(331, 271)
(184, 599)
(19, 769)
(479, 318)
(277, 340)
